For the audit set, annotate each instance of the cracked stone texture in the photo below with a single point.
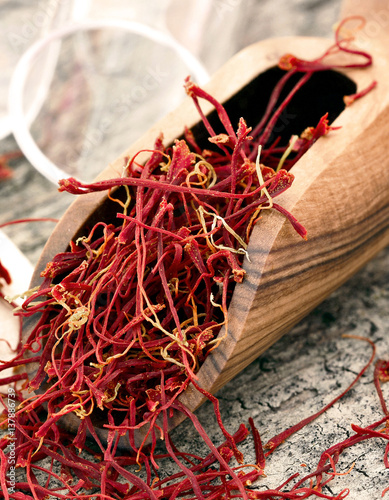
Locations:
(306, 368)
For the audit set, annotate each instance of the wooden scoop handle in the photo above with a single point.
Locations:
(369, 9)
(376, 13)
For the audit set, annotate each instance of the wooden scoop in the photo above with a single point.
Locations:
(340, 194)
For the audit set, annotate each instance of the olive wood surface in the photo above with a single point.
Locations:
(340, 194)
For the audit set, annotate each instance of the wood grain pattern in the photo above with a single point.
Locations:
(340, 194)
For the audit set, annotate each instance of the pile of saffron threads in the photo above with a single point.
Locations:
(127, 316)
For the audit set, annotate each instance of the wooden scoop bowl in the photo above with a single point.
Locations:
(340, 194)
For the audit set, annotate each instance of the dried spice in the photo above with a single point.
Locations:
(127, 316)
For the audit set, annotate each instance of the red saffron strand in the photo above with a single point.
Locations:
(274, 442)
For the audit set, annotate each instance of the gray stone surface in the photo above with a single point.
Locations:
(306, 368)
